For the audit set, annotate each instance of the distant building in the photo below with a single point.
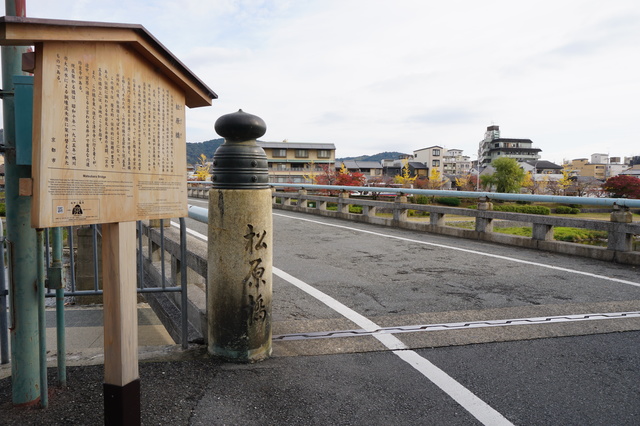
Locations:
(600, 158)
(493, 146)
(392, 168)
(368, 168)
(632, 171)
(601, 167)
(582, 167)
(542, 167)
(432, 157)
(454, 163)
(292, 162)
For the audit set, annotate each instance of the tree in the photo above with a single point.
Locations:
(559, 187)
(535, 185)
(623, 186)
(435, 179)
(466, 182)
(508, 176)
(203, 170)
(405, 179)
(582, 187)
(342, 177)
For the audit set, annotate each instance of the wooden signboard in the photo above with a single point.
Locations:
(108, 147)
(109, 137)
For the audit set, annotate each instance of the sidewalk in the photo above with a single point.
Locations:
(84, 336)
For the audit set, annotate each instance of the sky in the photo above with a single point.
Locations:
(400, 75)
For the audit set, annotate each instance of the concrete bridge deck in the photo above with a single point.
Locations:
(431, 341)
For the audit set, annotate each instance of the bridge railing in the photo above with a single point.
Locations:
(620, 228)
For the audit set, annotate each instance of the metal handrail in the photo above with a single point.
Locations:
(622, 202)
(561, 199)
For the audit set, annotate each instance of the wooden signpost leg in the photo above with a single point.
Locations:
(121, 378)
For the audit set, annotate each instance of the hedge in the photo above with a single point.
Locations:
(523, 209)
(448, 201)
(567, 210)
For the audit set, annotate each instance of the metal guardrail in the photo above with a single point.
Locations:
(534, 198)
(591, 201)
(70, 284)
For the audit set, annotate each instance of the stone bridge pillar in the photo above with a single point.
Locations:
(240, 243)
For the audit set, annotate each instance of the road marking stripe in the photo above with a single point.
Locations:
(476, 407)
(495, 256)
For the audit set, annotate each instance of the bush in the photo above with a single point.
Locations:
(567, 210)
(352, 208)
(420, 199)
(523, 209)
(417, 213)
(3, 209)
(576, 235)
(448, 201)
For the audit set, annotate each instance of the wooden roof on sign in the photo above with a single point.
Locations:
(19, 31)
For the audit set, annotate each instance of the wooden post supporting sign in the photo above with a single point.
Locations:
(121, 378)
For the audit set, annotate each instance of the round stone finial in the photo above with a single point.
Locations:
(240, 126)
(240, 163)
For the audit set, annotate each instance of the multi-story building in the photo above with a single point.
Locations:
(295, 162)
(432, 157)
(600, 167)
(454, 163)
(582, 167)
(493, 146)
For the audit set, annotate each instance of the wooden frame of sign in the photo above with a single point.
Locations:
(108, 148)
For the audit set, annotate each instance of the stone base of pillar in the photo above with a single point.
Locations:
(240, 274)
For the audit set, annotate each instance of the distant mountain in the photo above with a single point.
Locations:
(387, 155)
(208, 148)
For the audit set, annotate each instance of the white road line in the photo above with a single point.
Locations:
(474, 405)
(495, 256)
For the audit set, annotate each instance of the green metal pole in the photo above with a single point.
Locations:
(60, 330)
(42, 324)
(21, 241)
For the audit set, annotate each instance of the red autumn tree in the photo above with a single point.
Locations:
(623, 186)
(342, 177)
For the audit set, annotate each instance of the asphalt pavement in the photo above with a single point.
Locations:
(560, 364)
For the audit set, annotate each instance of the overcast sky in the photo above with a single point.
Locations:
(400, 75)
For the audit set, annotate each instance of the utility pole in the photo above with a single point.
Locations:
(21, 239)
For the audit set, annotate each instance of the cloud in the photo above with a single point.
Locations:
(445, 116)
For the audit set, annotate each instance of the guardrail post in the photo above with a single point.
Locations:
(343, 202)
(399, 213)
(240, 249)
(436, 219)
(302, 200)
(322, 205)
(542, 232)
(369, 211)
(484, 224)
(484, 204)
(620, 240)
